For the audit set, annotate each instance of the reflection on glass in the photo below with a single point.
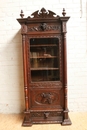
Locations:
(44, 59)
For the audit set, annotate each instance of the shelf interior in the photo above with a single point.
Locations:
(44, 59)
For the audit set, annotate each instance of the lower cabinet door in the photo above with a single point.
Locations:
(46, 99)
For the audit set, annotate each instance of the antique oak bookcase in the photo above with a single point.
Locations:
(45, 67)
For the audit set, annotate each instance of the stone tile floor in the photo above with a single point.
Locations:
(14, 121)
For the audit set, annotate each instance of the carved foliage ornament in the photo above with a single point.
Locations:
(44, 27)
(46, 98)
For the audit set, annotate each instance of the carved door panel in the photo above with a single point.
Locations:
(45, 99)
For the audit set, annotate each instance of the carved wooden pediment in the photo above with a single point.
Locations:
(43, 13)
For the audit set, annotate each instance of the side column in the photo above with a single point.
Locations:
(27, 119)
(66, 117)
(25, 71)
(66, 120)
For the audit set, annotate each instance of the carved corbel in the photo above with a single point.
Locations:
(64, 27)
(23, 29)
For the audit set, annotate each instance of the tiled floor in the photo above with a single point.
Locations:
(14, 121)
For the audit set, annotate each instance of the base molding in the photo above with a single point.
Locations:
(66, 122)
(31, 118)
(26, 122)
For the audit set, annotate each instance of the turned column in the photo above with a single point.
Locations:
(64, 20)
(23, 32)
(65, 75)
(25, 70)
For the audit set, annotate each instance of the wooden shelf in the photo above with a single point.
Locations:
(44, 68)
(42, 45)
(42, 57)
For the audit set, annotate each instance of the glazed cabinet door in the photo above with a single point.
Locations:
(44, 59)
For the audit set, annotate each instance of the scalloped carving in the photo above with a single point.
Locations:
(43, 13)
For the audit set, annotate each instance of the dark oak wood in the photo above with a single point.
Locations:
(45, 67)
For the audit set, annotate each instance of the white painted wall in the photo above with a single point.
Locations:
(11, 74)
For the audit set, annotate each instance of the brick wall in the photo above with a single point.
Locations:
(11, 74)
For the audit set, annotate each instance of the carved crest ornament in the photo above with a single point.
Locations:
(43, 13)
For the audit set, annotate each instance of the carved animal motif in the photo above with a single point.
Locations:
(47, 98)
(43, 26)
(46, 114)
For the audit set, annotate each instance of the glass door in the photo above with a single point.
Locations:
(44, 59)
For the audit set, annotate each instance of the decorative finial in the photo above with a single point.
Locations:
(21, 14)
(63, 13)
